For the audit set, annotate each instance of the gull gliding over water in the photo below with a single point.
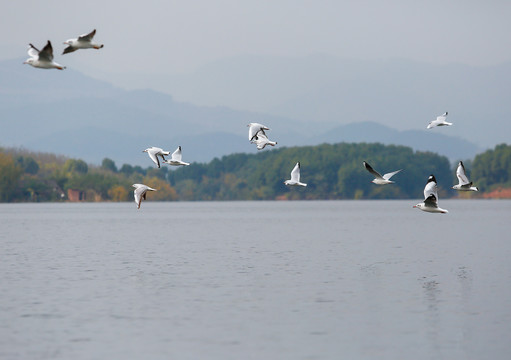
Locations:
(463, 183)
(380, 180)
(261, 140)
(295, 177)
(176, 158)
(82, 42)
(440, 121)
(154, 152)
(42, 59)
(430, 203)
(140, 193)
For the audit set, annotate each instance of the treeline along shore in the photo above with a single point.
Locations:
(332, 171)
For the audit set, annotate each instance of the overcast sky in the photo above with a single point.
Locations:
(178, 36)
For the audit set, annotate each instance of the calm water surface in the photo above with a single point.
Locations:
(255, 280)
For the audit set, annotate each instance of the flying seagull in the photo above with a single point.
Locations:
(82, 42)
(463, 183)
(261, 140)
(295, 177)
(430, 203)
(254, 128)
(140, 193)
(440, 121)
(176, 158)
(380, 180)
(42, 59)
(154, 152)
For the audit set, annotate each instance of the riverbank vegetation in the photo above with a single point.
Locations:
(332, 171)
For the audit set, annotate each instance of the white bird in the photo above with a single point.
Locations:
(176, 158)
(261, 140)
(440, 121)
(295, 177)
(254, 128)
(42, 59)
(140, 193)
(430, 203)
(463, 183)
(82, 42)
(154, 152)
(380, 180)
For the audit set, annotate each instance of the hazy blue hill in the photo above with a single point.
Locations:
(401, 94)
(93, 144)
(68, 113)
(453, 147)
(21, 84)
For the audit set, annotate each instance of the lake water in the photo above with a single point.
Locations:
(255, 280)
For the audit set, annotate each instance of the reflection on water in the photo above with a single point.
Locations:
(433, 324)
(261, 280)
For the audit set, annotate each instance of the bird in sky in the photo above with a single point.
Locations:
(295, 177)
(176, 158)
(440, 121)
(254, 128)
(154, 152)
(430, 203)
(82, 42)
(380, 180)
(42, 59)
(140, 193)
(261, 140)
(463, 183)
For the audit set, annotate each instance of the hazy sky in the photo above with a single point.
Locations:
(178, 36)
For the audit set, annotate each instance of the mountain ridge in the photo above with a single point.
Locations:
(52, 111)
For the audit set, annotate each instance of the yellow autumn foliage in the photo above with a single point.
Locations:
(164, 192)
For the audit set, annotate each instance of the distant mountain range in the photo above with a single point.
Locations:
(398, 93)
(68, 113)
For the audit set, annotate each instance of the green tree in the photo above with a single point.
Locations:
(76, 166)
(492, 168)
(10, 174)
(28, 164)
(108, 164)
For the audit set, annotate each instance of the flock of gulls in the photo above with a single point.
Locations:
(43, 59)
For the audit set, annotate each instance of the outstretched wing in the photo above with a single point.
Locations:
(431, 188)
(176, 155)
(139, 193)
(154, 158)
(295, 174)
(460, 173)
(254, 128)
(391, 174)
(372, 171)
(431, 201)
(69, 49)
(33, 51)
(442, 117)
(87, 37)
(47, 52)
(260, 139)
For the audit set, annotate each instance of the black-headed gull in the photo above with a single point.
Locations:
(82, 42)
(380, 180)
(176, 158)
(440, 121)
(430, 203)
(261, 140)
(463, 183)
(295, 177)
(254, 128)
(140, 193)
(154, 152)
(42, 59)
